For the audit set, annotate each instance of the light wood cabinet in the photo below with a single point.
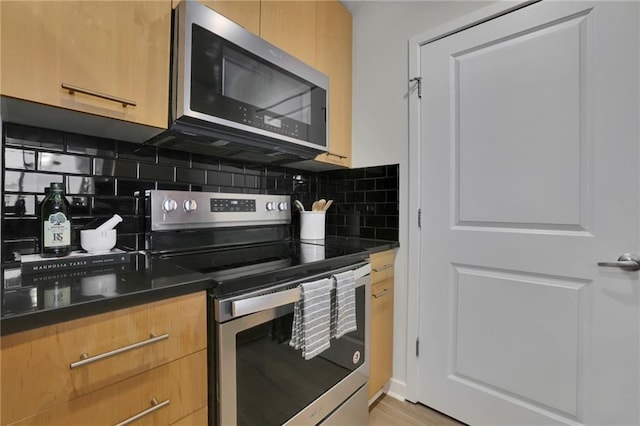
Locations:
(245, 13)
(381, 356)
(36, 365)
(290, 25)
(176, 390)
(116, 50)
(334, 58)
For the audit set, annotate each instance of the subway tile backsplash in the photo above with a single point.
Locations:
(102, 175)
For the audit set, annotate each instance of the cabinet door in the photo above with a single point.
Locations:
(243, 12)
(116, 49)
(290, 25)
(177, 390)
(381, 357)
(333, 57)
(36, 364)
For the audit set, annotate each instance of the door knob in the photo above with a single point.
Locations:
(626, 262)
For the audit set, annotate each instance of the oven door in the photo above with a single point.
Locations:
(261, 380)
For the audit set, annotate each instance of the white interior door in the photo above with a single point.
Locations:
(529, 175)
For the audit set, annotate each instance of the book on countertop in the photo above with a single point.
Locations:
(34, 263)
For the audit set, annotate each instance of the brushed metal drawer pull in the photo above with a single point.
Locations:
(382, 293)
(122, 101)
(387, 266)
(155, 405)
(336, 155)
(85, 359)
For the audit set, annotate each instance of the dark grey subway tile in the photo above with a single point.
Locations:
(108, 206)
(375, 196)
(89, 145)
(20, 228)
(375, 172)
(79, 206)
(80, 185)
(190, 175)
(117, 168)
(392, 196)
(367, 232)
(156, 172)
(170, 186)
(365, 185)
(387, 183)
(28, 181)
(125, 187)
(386, 234)
(19, 159)
(33, 137)
(219, 178)
(63, 163)
(17, 205)
(393, 222)
(355, 174)
(227, 166)
(104, 186)
(174, 158)
(205, 162)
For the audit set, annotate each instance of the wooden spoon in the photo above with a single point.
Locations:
(321, 203)
(326, 206)
(314, 206)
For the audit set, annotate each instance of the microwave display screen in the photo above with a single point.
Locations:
(236, 85)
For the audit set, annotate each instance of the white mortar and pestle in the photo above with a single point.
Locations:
(102, 239)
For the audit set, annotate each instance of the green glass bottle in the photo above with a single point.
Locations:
(56, 223)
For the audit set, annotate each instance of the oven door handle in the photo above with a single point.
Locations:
(273, 300)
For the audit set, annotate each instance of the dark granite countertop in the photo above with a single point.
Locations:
(38, 299)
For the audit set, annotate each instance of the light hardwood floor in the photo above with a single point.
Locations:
(388, 411)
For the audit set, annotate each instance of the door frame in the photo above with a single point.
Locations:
(480, 16)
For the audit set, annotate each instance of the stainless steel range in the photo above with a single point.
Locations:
(244, 244)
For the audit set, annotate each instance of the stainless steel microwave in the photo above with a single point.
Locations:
(235, 95)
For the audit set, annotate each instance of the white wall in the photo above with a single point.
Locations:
(381, 30)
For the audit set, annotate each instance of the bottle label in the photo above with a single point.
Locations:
(57, 231)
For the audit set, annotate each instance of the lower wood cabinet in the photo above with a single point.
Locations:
(381, 339)
(43, 371)
(160, 396)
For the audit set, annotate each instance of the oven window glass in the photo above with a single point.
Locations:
(274, 382)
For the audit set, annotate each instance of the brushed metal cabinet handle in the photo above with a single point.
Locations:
(86, 359)
(72, 89)
(336, 155)
(382, 293)
(387, 266)
(155, 405)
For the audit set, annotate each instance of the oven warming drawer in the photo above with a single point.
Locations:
(354, 411)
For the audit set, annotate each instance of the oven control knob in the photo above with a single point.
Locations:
(282, 206)
(190, 205)
(271, 206)
(169, 205)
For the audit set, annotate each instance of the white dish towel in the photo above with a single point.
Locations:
(343, 313)
(312, 318)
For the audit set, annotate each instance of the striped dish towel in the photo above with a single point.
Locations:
(312, 318)
(343, 312)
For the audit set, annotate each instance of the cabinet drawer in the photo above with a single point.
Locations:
(382, 265)
(179, 387)
(199, 418)
(36, 364)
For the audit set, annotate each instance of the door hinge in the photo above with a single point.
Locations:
(419, 218)
(417, 347)
(418, 81)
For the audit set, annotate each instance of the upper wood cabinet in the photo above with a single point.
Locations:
(334, 58)
(116, 51)
(290, 25)
(245, 13)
